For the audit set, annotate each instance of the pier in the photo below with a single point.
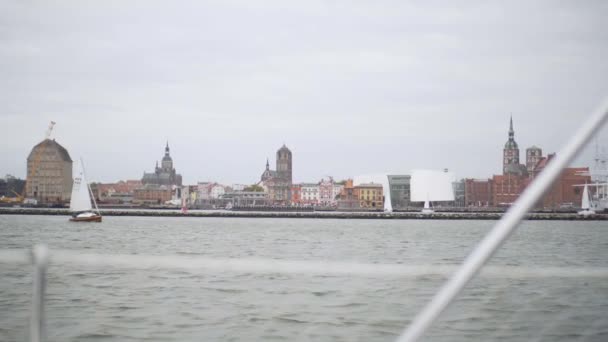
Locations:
(312, 214)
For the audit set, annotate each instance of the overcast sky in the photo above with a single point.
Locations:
(351, 87)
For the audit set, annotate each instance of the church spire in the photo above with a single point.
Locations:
(511, 131)
(267, 164)
(167, 148)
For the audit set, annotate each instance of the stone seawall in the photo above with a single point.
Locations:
(318, 215)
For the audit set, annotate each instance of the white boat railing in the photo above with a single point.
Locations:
(41, 257)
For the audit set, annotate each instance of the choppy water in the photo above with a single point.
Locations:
(117, 304)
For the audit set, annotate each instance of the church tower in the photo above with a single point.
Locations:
(511, 151)
(284, 164)
(167, 163)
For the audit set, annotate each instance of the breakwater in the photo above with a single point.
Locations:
(313, 214)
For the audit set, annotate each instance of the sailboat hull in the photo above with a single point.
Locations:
(94, 218)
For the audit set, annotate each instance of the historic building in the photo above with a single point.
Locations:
(324, 193)
(510, 156)
(161, 185)
(506, 188)
(296, 194)
(370, 195)
(165, 174)
(349, 197)
(309, 193)
(246, 198)
(278, 182)
(533, 156)
(210, 190)
(566, 190)
(328, 191)
(49, 173)
(121, 192)
(478, 192)
(152, 194)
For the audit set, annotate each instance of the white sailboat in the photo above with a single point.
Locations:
(80, 203)
(427, 206)
(586, 203)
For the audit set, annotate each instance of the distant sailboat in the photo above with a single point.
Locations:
(586, 203)
(80, 203)
(427, 206)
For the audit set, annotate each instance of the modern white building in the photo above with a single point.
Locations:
(431, 185)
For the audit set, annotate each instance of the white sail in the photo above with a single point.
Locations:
(81, 200)
(427, 206)
(585, 204)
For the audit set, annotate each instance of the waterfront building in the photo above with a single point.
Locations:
(152, 194)
(246, 198)
(478, 192)
(370, 195)
(49, 173)
(209, 194)
(459, 200)
(296, 194)
(328, 191)
(204, 190)
(335, 193)
(533, 156)
(160, 186)
(564, 191)
(217, 190)
(507, 188)
(121, 192)
(165, 174)
(399, 187)
(349, 196)
(309, 193)
(278, 182)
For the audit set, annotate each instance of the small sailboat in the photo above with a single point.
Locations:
(586, 203)
(80, 203)
(427, 207)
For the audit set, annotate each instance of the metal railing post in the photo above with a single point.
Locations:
(40, 259)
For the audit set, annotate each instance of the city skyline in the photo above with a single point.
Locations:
(350, 88)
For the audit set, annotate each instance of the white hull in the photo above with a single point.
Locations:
(586, 212)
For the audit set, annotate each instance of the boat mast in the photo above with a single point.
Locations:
(89, 187)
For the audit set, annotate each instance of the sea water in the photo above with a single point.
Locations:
(122, 304)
